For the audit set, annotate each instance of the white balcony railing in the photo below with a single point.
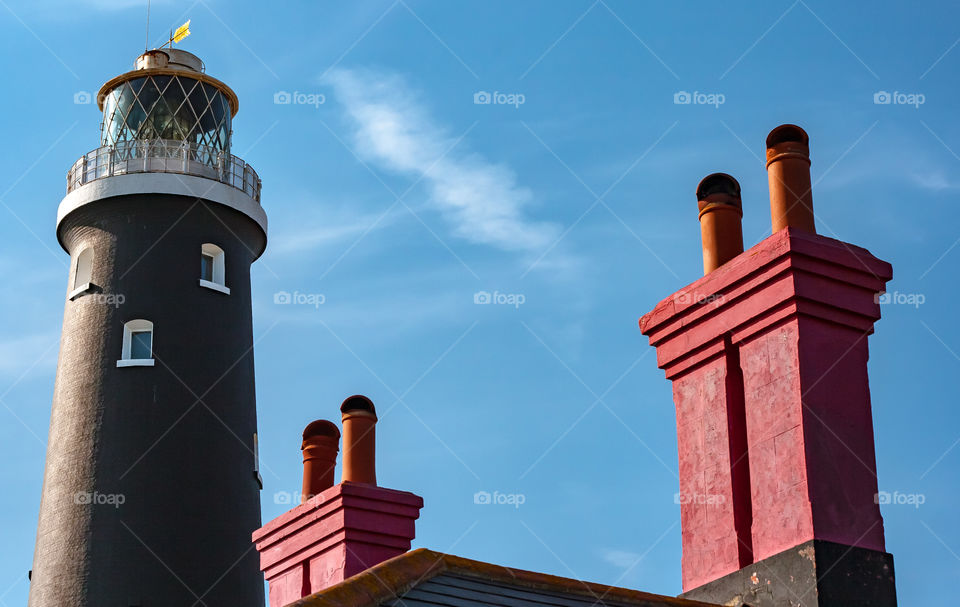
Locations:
(164, 156)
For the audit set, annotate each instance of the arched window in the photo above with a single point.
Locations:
(137, 344)
(213, 273)
(82, 273)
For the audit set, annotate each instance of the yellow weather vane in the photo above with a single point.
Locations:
(179, 34)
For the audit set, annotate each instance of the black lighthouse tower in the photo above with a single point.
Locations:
(151, 488)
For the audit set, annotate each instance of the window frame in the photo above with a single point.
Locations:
(256, 460)
(213, 261)
(85, 257)
(219, 270)
(137, 325)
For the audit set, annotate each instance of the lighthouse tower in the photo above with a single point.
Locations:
(151, 488)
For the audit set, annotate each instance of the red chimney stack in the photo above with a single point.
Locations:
(767, 354)
(338, 530)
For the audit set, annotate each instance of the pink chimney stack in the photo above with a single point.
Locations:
(767, 354)
(339, 530)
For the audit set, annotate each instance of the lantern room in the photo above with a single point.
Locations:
(166, 116)
(168, 97)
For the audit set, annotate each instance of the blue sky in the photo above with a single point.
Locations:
(398, 199)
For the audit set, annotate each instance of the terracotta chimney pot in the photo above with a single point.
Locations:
(718, 198)
(359, 440)
(321, 442)
(788, 171)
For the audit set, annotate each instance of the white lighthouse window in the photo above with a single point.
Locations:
(137, 344)
(82, 273)
(213, 274)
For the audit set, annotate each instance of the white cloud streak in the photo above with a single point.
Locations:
(622, 559)
(22, 354)
(480, 199)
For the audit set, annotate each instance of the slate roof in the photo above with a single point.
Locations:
(423, 578)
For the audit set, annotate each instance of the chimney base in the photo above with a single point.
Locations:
(814, 574)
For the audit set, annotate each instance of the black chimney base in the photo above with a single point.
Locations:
(814, 574)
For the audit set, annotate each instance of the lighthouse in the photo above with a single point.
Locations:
(151, 487)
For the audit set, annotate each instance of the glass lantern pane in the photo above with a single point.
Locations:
(166, 111)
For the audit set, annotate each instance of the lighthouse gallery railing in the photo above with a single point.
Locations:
(164, 156)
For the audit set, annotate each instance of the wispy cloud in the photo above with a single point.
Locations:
(23, 354)
(394, 130)
(312, 233)
(411, 312)
(117, 5)
(622, 559)
(111, 6)
(936, 181)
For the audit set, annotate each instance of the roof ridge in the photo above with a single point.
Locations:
(394, 577)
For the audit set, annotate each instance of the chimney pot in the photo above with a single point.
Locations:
(359, 440)
(321, 442)
(718, 198)
(788, 171)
